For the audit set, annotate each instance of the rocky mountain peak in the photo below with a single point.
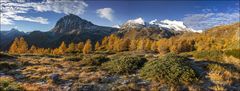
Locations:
(14, 30)
(168, 25)
(134, 23)
(70, 24)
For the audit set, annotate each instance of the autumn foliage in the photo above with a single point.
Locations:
(87, 47)
(19, 45)
(187, 42)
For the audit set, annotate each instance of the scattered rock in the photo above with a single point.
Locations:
(55, 77)
(125, 82)
(19, 76)
(109, 79)
(2, 74)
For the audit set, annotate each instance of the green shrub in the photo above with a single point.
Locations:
(214, 55)
(170, 69)
(94, 61)
(4, 55)
(6, 65)
(73, 58)
(8, 84)
(125, 64)
(235, 53)
(50, 56)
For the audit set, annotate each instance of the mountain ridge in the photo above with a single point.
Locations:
(166, 24)
(72, 28)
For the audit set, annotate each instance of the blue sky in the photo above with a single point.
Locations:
(27, 15)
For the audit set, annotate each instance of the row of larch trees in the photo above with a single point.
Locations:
(19, 46)
(109, 43)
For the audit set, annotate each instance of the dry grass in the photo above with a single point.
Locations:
(37, 70)
(87, 77)
(232, 60)
(219, 78)
(218, 88)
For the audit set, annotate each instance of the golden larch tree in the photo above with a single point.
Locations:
(71, 47)
(104, 42)
(133, 45)
(33, 49)
(62, 48)
(87, 47)
(112, 38)
(55, 51)
(23, 46)
(123, 45)
(140, 45)
(80, 46)
(148, 44)
(163, 46)
(117, 45)
(97, 46)
(154, 46)
(14, 47)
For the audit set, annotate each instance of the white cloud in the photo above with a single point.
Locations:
(31, 19)
(208, 20)
(60, 6)
(106, 13)
(10, 9)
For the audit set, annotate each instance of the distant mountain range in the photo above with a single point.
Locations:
(72, 28)
(138, 28)
(6, 37)
(162, 25)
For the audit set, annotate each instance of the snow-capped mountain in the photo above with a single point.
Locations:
(134, 23)
(172, 25)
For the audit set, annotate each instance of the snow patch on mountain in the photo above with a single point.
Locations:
(152, 22)
(172, 25)
(136, 21)
(162, 24)
(116, 26)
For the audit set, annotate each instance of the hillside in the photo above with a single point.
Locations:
(186, 61)
(119, 45)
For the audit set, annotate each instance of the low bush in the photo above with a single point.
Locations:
(6, 65)
(94, 61)
(50, 56)
(8, 84)
(73, 58)
(125, 64)
(214, 55)
(170, 69)
(4, 55)
(235, 53)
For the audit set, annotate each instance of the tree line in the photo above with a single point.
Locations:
(114, 43)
